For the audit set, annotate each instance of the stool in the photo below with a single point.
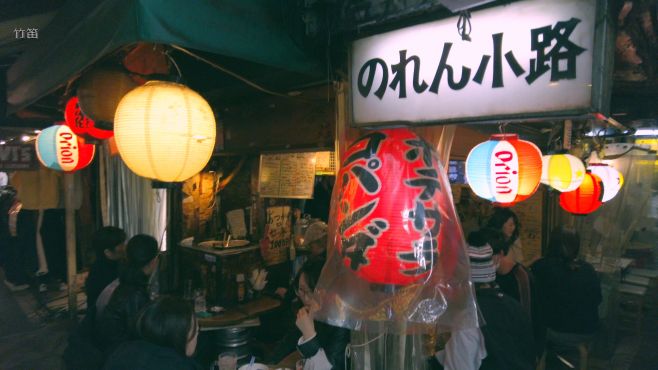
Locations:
(583, 355)
(631, 304)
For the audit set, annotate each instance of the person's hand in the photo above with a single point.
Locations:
(281, 292)
(305, 323)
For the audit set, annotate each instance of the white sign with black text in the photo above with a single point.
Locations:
(526, 58)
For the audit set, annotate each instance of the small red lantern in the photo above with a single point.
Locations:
(81, 124)
(391, 207)
(504, 170)
(586, 199)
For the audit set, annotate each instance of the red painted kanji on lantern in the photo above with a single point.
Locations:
(389, 208)
(82, 125)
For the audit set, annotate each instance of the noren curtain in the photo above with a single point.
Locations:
(128, 201)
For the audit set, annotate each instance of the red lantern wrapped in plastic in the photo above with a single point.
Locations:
(81, 124)
(389, 209)
(586, 199)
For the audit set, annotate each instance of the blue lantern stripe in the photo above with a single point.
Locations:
(47, 147)
(478, 169)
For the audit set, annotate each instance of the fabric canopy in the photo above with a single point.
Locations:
(84, 31)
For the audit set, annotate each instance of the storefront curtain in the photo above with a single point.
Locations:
(128, 201)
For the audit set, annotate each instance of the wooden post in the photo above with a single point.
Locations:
(71, 262)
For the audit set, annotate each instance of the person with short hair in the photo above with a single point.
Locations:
(570, 290)
(116, 324)
(168, 331)
(109, 243)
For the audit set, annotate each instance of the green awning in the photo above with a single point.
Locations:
(85, 31)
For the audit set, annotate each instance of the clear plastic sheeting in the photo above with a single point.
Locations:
(397, 262)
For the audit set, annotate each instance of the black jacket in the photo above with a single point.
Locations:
(117, 324)
(142, 355)
(507, 332)
(569, 298)
(101, 274)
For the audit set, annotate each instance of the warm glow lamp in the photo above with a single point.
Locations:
(612, 179)
(586, 199)
(563, 172)
(60, 149)
(504, 170)
(164, 131)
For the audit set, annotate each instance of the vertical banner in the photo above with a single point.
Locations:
(275, 245)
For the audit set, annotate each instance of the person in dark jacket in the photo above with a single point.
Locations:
(168, 332)
(110, 249)
(505, 333)
(116, 324)
(570, 290)
(322, 345)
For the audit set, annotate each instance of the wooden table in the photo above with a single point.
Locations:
(237, 315)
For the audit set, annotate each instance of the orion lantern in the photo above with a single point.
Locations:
(504, 170)
(562, 172)
(164, 131)
(58, 148)
(584, 200)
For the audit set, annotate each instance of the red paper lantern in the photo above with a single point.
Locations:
(81, 124)
(504, 170)
(586, 199)
(390, 199)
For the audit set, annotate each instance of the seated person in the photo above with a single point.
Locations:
(322, 345)
(116, 324)
(167, 331)
(504, 339)
(570, 291)
(110, 249)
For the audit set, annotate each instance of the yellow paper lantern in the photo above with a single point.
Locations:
(563, 172)
(164, 131)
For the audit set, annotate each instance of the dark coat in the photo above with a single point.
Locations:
(569, 296)
(117, 324)
(507, 332)
(142, 355)
(101, 274)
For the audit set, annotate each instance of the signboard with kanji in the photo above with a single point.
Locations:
(528, 59)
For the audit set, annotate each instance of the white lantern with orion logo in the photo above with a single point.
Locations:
(504, 170)
(164, 131)
(58, 148)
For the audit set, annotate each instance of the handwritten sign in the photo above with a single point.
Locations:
(290, 175)
(18, 157)
(277, 240)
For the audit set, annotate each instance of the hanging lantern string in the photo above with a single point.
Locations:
(235, 75)
(464, 25)
(171, 59)
(502, 126)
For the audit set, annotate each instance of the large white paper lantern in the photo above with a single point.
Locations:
(164, 131)
(611, 178)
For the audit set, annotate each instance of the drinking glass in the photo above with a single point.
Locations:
(228, 361)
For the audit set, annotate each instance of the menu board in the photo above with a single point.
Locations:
(289, 175)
